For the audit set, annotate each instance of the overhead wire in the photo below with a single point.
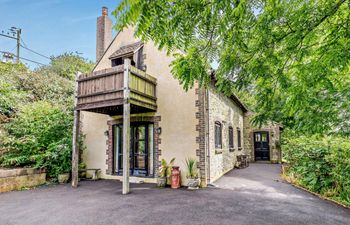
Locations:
(35, 52)
(29, 60)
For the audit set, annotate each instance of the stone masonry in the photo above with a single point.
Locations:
(274, 138)
(228, 114)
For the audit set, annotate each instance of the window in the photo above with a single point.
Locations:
(140, 64)
(230, 138)
(141, 149)
(218, 135)
(239, 138)
(120, 61)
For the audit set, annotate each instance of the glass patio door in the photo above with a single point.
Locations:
(141, 145)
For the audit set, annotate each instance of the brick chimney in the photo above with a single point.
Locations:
(103, 33)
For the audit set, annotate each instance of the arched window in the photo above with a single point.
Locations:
(218, 135)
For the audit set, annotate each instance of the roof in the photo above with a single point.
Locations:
(238, 102)
(126, 49)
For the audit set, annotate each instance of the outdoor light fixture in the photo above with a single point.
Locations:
(159, 130)
(106, 133)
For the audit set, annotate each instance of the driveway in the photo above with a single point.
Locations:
(255, 195)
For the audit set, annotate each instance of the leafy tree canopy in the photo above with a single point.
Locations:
(67, 65)
(293, 56)
(36, 113)
(53, 83)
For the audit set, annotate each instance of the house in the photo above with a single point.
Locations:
(165, 121)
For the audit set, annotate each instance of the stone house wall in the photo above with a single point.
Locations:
(223, 110)
(274, 138)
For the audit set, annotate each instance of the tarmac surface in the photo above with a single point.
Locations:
(255, 195)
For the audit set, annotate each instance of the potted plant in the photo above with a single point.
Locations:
(63, 178)
(82, 170)
(164, 172)
(192, 174)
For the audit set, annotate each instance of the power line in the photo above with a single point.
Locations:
(16, 34)
(29, 60)
(23, 42)
(8, 36)
(35, 52)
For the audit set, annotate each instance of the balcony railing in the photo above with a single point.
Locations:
(102, 91)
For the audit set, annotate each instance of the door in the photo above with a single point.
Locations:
(261, 145)
(140, 148)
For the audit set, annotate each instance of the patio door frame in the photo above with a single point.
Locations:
(134, 144)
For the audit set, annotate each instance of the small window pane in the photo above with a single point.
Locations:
(257, 137)
(230, 137)
(218, 135)
(264, 137)
(239, 138)
(150, 149)
(141, 132)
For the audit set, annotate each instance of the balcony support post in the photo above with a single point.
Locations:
(75, 145)
(126, 128)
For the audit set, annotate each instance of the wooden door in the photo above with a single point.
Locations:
(261, 145)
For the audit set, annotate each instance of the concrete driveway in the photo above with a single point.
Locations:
(249, 196)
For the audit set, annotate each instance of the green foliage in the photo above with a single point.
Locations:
(165, 168)
(320, 163)
(192, 171)
(67, 65)
(36, 114)
(10, 97)
(293, 56)
(40, 136)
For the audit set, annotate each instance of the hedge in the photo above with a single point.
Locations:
(320, 164)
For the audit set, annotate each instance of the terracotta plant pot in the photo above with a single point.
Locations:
(193, 183)
(162, 182)
(63, 178)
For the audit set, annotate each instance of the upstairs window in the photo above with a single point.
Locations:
(117, 62)
(230, 138)
(120, 61)
(239, 138)
(218, 135)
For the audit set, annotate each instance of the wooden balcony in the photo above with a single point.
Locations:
(103, 91)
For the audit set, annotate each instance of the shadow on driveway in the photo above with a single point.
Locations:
(247, 196)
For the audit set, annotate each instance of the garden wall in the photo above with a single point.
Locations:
(15, 179)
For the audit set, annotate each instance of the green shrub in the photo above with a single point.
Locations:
(39, 136)
(320, 163)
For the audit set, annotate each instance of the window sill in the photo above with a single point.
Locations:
(239, 149)
(218, 151)
(231, 150)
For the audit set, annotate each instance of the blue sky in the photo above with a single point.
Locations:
(52, 27)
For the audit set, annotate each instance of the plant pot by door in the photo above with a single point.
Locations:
(63, 178)
(193, 183)
(162, 182)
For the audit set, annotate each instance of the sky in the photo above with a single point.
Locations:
(52, 27)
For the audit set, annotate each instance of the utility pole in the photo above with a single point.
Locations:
(15, 31)
(18, 42)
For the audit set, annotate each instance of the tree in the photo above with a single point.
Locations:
(293, 56)
(66, 65)
(36, 113)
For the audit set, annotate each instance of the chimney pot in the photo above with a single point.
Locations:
(104, 11)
